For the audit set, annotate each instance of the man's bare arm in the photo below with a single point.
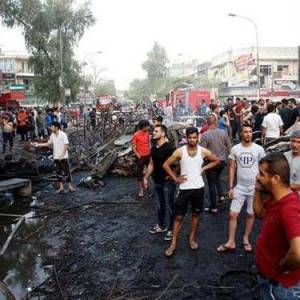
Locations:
(231, 176)
(176, 156)
(213, 159)
(292, 259)
(258, 203)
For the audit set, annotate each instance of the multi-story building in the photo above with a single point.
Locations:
(16, 75)
(236, 71)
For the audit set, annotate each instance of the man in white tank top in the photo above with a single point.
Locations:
(191, 185)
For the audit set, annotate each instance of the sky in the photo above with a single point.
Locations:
(126, 30)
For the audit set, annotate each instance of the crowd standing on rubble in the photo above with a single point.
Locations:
(268, 183)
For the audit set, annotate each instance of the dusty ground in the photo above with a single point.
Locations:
(100, 248)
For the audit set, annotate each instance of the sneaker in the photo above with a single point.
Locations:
(141, 193)
(158, 229)
(168, 236)
(222, 199)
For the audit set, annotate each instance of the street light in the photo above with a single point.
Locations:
(257, 48)
(60, 43)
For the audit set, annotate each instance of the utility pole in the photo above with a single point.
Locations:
(257, 49)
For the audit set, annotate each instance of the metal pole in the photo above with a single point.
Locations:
(257, 49)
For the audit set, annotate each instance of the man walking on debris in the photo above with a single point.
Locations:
(293, 157)
(141, 148)
(278, 245)
(217, 141)
(243, 160)
(7, 127)
(59, 140)
(191, 185)
(164, 187)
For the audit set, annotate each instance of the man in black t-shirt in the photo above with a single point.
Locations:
(164, 187)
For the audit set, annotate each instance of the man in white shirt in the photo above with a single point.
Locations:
(59, 140)
(272, 125)
(243, 161)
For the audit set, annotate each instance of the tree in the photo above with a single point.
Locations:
(139, 90)
(41, 27)
(107, 87)
(156, 69)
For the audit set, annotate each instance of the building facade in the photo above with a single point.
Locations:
(16, 75)
(236, 71)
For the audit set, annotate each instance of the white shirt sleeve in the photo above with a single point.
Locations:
(280, 121)
(232, 154)
(50, 141)
(65, 139)
(264, 122)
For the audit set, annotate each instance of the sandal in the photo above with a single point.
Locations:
(170, 252)
(223, 248)
(72, 191)
(59, 191)
(247, 247)
(193, 245)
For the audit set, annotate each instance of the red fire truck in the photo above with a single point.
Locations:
(104, 102)
(12, 98)
(190, 98)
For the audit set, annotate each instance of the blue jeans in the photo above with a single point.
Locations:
(215, 184)
(268, 291)
(7, 138)
(165, 193)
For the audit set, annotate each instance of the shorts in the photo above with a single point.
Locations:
(141, 164)
(62, 170)
(238, 201)
(185, 197)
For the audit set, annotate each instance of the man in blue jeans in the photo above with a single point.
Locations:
(277, 252)
(164, 187)
(217, 141)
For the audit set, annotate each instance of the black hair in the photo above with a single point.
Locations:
(222, 112)
(270, 107)
(159, 118)
(284, 101)
(293, 100)
(163, 128)
(192, 130)
(143, 124)
(277, 164)
(56, 124)
(244, 126)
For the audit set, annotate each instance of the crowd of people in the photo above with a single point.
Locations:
(269, 184)
(31, 123)
(269, 120)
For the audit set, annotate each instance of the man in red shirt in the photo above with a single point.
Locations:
(141, 148)
(278, 245)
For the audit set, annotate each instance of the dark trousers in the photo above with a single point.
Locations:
(7, 138)
(165, 195)
(62, 170)
(23, 132)
(214, 184)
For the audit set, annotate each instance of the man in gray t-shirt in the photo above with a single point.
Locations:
(293, 158)
(243, 161)
(217, 141)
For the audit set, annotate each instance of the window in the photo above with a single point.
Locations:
(265, 70)
(283, 68)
